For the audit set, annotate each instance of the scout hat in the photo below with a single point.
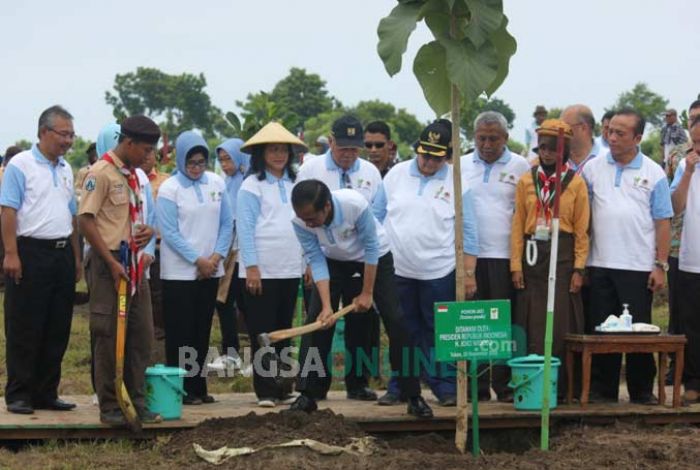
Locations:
(539, 109)
(435, 139)
(551, 127)
(347, 132)
(272, 133)
(141, 128)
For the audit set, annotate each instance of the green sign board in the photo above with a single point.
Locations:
(475, 330)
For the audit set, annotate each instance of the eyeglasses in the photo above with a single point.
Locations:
(346, 180)
(377, 145)
(196, 163)
(65, 134)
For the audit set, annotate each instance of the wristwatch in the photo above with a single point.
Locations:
(469, 273)
(663, 265)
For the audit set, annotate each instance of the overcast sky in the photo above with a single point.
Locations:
(568, 51)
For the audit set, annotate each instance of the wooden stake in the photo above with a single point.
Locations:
(461, 431)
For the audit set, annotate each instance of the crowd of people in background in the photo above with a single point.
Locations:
(371, 231)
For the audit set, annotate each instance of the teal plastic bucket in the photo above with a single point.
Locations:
(527, 374)
(164, 390)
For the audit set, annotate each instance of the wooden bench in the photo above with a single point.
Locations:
(587, 345)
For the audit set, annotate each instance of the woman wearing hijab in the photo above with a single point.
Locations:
(196, 227)
(234, 164)
(531, 244)
(416, 206)
(270, 255)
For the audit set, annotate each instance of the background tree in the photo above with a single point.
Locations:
(24, 144)
(259, 109)
(297, 98)
(471, 109)
(649, 104)
(554, 113)
(76, 156)
(651, 146)
(302, 95)
(176, 102)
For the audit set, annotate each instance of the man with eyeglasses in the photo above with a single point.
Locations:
(492, 172)
(340, 168)
(41, 265)
(378, 145)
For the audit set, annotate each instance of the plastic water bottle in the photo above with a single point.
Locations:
(626, 318)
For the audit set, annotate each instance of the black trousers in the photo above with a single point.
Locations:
(688, 300)
(493, 281)
(402, 348)
(228, 315)
(610, 288)
(38, 313)
(270, 311)
(188, 308)
(674, 323)
(362, 335)
(360, 330)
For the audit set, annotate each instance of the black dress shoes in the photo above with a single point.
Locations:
(55, 405)
(20, 407)
(362, 394)
(419, 408)
(389, 399)
(304, 403)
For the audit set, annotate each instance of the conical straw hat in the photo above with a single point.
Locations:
(272, 133)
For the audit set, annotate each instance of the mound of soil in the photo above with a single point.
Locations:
(621, 446)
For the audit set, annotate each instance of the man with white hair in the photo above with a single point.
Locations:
(492, 172)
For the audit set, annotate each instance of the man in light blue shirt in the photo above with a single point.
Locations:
(41, 265)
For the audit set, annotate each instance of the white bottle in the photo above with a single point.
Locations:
(626, 318)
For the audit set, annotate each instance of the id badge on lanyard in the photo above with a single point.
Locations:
(542, 228)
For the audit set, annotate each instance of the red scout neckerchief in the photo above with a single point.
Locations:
(544, 190)
(135, 270)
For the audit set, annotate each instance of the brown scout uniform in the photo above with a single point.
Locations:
(105, 195)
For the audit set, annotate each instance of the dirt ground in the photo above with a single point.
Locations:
(623, 446)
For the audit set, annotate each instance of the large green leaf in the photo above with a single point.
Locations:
(234, 121)
(486, 17)
(394, 31)
(471, 69)
(437, 16)
(431, 72)
(506, 46)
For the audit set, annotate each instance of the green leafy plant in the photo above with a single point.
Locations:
(472, 47)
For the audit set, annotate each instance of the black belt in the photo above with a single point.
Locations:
(55, 244)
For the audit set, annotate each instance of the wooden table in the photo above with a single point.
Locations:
(587, 345)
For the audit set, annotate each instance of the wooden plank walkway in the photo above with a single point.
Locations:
(83, 422)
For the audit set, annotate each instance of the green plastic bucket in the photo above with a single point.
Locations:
(527, 374)
(164, 390)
